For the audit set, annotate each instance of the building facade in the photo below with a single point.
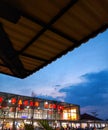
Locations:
(17, 109)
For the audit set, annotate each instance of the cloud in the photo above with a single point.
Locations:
(49, 92)
(25, 91)
(92, 92)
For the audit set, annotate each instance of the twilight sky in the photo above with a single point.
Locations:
(79, 77)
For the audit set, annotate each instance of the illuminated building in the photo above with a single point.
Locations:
(16, 109)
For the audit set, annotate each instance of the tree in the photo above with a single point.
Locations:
(45, 125)
(29, 127)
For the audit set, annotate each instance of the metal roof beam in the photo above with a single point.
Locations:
(9, 55)
(53, 29)
(62, 11)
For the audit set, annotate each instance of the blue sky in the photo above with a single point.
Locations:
(79, 77)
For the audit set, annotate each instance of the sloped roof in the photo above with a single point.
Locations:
(86, 116)
(33, 33)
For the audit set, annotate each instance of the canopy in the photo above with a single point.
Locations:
(33, 33)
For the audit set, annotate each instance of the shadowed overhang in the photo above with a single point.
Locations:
(33, 33)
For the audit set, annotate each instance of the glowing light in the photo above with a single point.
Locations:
(46, 105)
(13, 100)
(20, 102)
(31, 103)
(1, 99)
(26, 102)
(36, 104)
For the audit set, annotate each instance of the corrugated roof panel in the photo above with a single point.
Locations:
(46, 46)
(29, 63)
(52, 41)
(5, 70)
(42, 31)
(44, 9)
(49, 45)
(17, 43)
(23, 26)
(55, 41)
(31, 60)
(99, 8)
(76, 22)
(21, 33)
(35, 51)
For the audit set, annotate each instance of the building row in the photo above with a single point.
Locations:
(15, 110)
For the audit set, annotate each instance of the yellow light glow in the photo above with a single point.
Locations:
(70, 114)
(65, 116)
